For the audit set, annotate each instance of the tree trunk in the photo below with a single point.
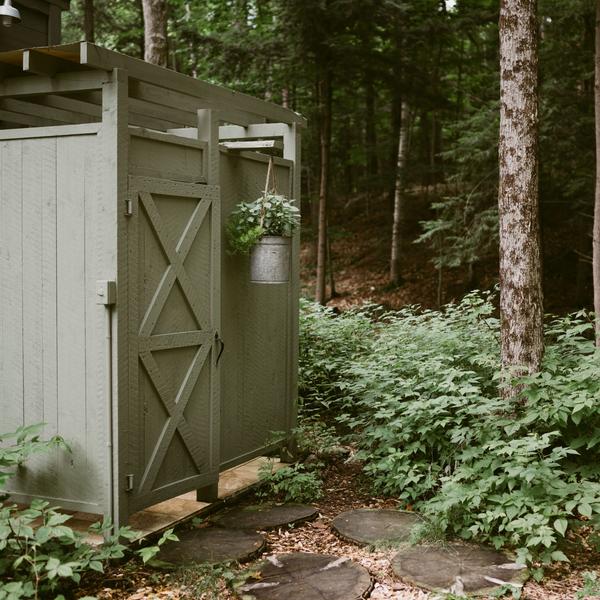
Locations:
(155, 32)
(521, 299)
(325, 143)
(596, 229)
(88, 21)
(399, 194)
(370, 132)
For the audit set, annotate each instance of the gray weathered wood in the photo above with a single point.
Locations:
(97, 57)
(114, 152)
(458, 568)
(46, 113)
(54, 131)
(310, 577)
(212, 545)
(253, 145)
(256, 130)
(375, 526)
(265, 516)
(62, 82)
(292, 152)
(41, 63)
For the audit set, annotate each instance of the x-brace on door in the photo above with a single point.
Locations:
(173, 274)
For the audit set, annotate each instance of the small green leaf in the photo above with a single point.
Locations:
(561, 526)
(559, 556)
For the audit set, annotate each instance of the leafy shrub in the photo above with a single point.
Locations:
(433, 431)
(39, 554)
(26, 443)
(271, 214)
(329, 344)
(296, 483)
(209, 581)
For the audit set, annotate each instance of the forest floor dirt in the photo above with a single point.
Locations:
(345, 487)
(360, 249)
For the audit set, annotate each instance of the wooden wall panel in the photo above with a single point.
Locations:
(52, 354)
(255, 398)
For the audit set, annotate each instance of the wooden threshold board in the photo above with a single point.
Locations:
(155, 519)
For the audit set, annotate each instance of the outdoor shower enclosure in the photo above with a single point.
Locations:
(125, 326)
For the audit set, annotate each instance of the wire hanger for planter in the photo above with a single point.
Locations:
(273, 191)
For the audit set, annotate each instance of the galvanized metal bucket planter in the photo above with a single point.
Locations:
(270, 260)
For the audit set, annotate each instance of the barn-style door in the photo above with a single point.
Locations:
(173, 282)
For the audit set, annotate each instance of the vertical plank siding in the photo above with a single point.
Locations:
(255, 374)
(11, 275)
(49, 203)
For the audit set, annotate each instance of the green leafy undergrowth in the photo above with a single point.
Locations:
(434, 432)
(329, 344)
(591, 586)
(40, 555)
(17, 446)
(294, 483)
(210, 580)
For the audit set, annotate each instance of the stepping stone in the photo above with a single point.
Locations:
(265, 516)
(457, 568)
(371, 526)
(212, 545)
(308, 577)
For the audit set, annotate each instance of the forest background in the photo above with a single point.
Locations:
(402, 99)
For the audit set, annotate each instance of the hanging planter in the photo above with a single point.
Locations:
(270, 259)
(263, 228)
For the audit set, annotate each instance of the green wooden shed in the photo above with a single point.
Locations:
(124, 323)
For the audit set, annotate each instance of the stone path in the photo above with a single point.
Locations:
(459, 568)
(265, 516)
(234, 536)
(375, 526)
(309, 577)
(212, 545)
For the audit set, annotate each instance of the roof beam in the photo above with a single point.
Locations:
(255, 130)
(60, 83)
(214, 96)
(8, 70)
(29, 120)
(254, 145)
(45, 112)
(66, 103)
(42, 63)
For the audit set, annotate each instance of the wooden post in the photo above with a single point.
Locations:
(114, 136)
(291, 151)
(208, 130)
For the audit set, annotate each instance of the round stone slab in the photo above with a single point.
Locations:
(212, 545)
(457, 568)
(370, 526)
(265, 516)
(309, 577)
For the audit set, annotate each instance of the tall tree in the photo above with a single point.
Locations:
(325, 152)
(521, 301)
(88, 21)
(155, 32)
(399, 194)
(596, 227)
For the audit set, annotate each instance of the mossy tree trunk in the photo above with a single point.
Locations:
(395, 276)
(155, 32)
(521, 299)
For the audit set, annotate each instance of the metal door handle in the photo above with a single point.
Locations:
(220, 341)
